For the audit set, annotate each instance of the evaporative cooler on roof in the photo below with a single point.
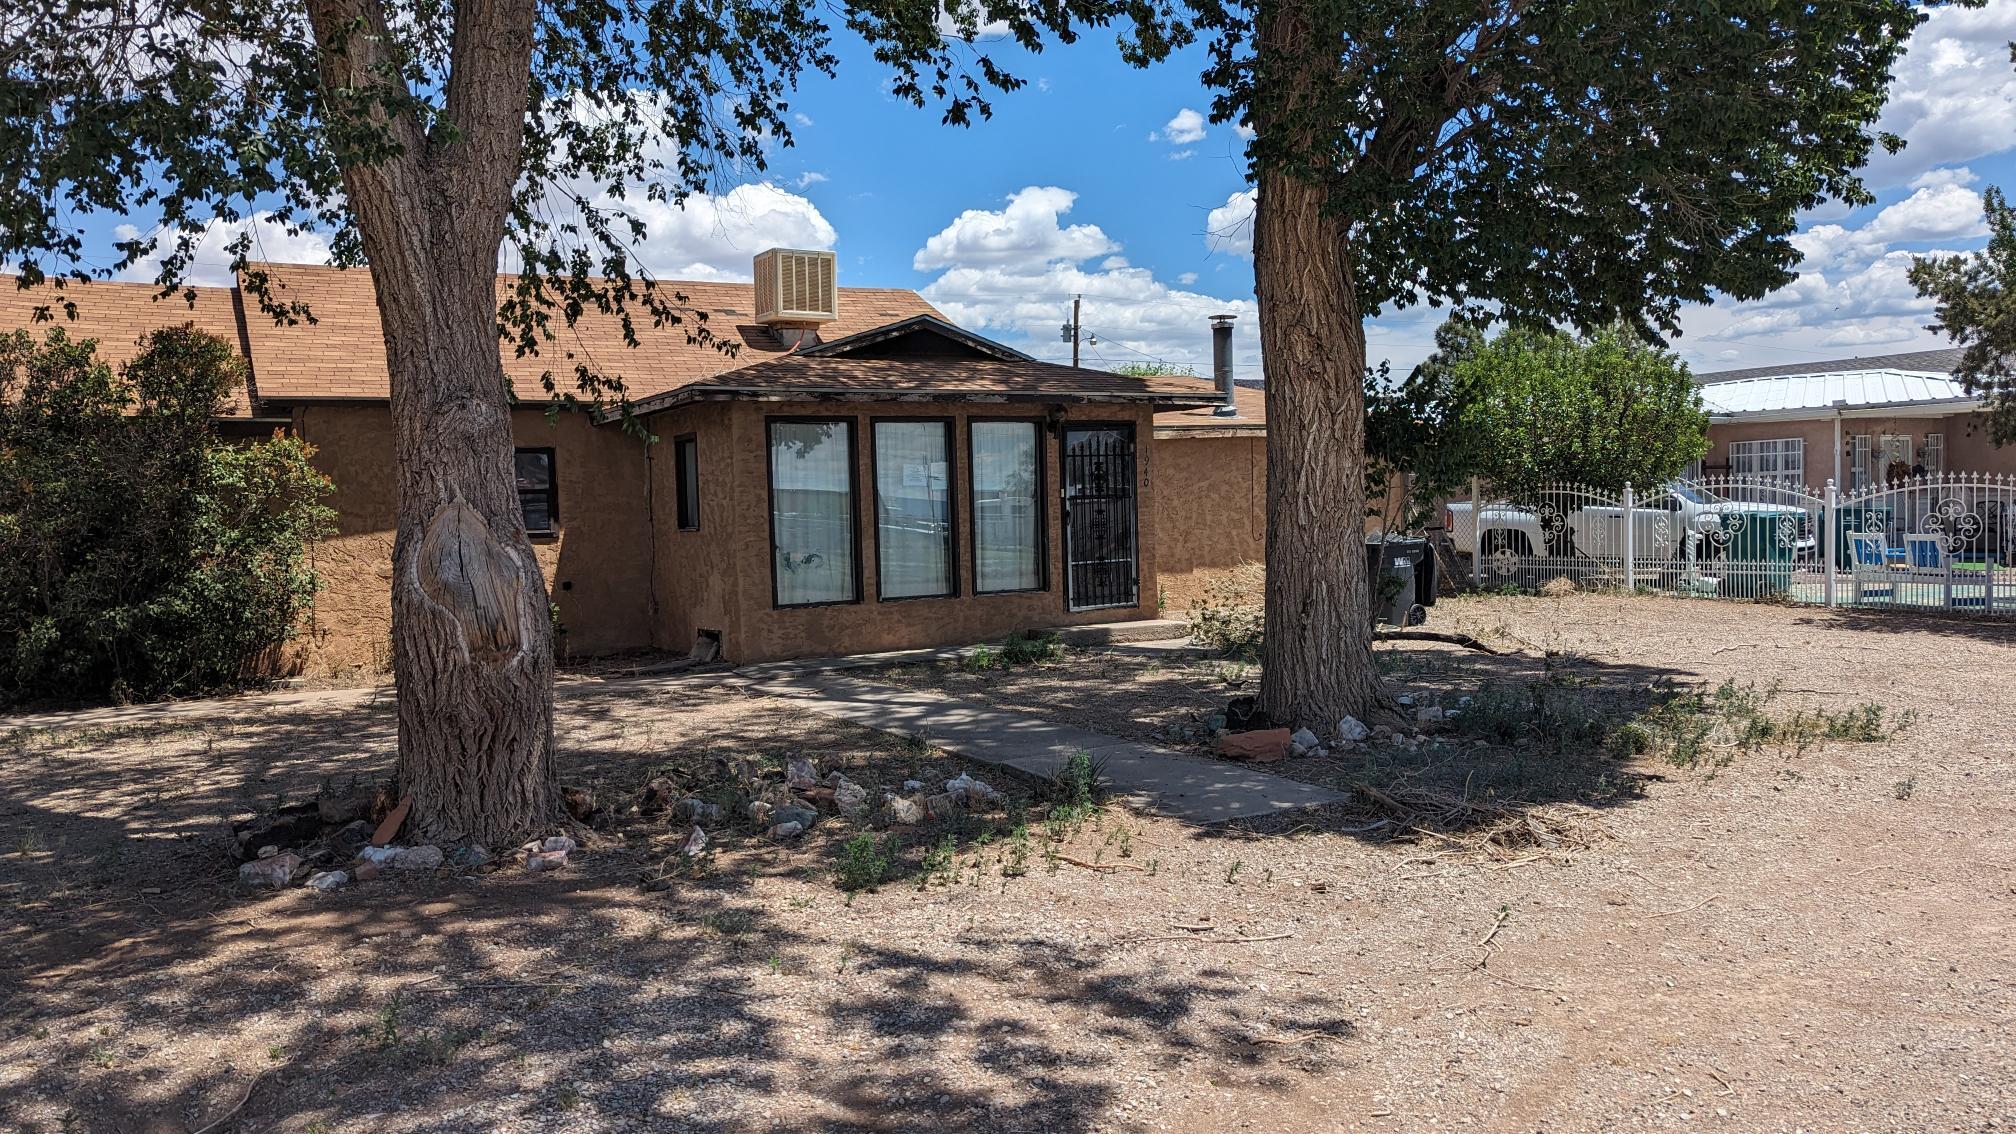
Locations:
(796, 286)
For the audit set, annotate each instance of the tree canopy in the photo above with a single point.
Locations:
(1605, 410)
(1976, 294)
(1561, 161)
(222, 109)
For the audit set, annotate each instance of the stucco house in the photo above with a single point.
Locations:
(855, 473)
(1854, 420)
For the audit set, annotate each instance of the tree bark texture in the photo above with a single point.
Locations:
(471, 634)
(1317, 656)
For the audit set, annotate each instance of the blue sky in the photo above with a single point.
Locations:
(1104, 180)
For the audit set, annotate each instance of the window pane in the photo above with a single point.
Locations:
(688, 456)
(535, 468)
(913, 508)
(1007, 513)
(538, 511)
(812, 511)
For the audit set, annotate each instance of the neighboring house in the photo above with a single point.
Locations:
(1857, 421)
(857, 474)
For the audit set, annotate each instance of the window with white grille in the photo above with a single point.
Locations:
(1782, 460)
(1934, 458)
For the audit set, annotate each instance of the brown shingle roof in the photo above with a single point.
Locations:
(957, 376)
(118, 315)
(1252, 403)
(342, 355)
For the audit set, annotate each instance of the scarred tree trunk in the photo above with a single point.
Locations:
(1317, 657)
(471, 638)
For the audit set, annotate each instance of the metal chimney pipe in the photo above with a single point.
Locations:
(1221, 363)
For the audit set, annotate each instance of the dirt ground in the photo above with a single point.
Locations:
(1820, 940)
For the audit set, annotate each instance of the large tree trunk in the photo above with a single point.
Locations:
(471, 637)
(1317, 658)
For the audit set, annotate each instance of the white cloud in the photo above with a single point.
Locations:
(1187, 278)
(1952, 95)
(1025, 232)
(1246, 133)
(801, 118)
(212, 264)
(808, 178)
(1185, 128)
(716, 236)
(1959, 175)
(1229, 227)
(1182, 155)
(1012, 273)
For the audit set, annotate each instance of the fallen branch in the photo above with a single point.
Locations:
(1100, 867)
(1463, 640)
(1298, 1038)
(1689, 909)
(240, 1105)
(1211, 940)
(1504, 915)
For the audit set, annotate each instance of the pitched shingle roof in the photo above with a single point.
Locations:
(954, 376)
(342, 355)
(118, 315)
(1941, 361)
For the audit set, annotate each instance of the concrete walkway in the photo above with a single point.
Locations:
(1155, 779)
(1170, 783)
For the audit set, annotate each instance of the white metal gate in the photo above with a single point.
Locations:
(1933, 542)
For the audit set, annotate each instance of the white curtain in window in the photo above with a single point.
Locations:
(913, 508)
(812, 511)
(1007, 515)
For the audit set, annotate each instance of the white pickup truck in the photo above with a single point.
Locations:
(1677, 517)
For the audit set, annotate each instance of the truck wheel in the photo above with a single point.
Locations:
(1515, 542)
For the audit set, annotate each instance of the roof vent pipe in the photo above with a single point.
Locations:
(1221, 363)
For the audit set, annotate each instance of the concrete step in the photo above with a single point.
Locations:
(1117, 633)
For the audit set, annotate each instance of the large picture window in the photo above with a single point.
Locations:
(1006, 462)
(913, 509)
(1782, 461)
(812, 535)
(538, 494)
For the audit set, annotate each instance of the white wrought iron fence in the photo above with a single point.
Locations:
(1934, 542)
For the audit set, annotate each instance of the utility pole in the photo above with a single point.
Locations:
(1071, 329)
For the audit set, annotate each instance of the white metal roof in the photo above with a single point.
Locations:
(1822, 394)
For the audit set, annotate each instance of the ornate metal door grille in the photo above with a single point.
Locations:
(1100, 517)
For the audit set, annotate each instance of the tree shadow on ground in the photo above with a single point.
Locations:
(1997, 629)
(519, 1002)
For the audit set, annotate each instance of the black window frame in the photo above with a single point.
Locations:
(686, 517)
(1043, 579)
(551, 491)
(951, 426)
(852, 422)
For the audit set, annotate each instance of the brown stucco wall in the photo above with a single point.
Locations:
(719, 577)
(1967, 447)
(597, 566)
(1210, 515)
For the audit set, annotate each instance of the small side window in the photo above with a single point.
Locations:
(538, 490)
(686, 474)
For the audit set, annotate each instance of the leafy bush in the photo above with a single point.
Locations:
(140, 554)
(1019, 650)
(864, 862)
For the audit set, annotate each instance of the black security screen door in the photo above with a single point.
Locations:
(1099, 516)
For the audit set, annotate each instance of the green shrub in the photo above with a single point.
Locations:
(1019, 650)
(140, 554)
(864, 863)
